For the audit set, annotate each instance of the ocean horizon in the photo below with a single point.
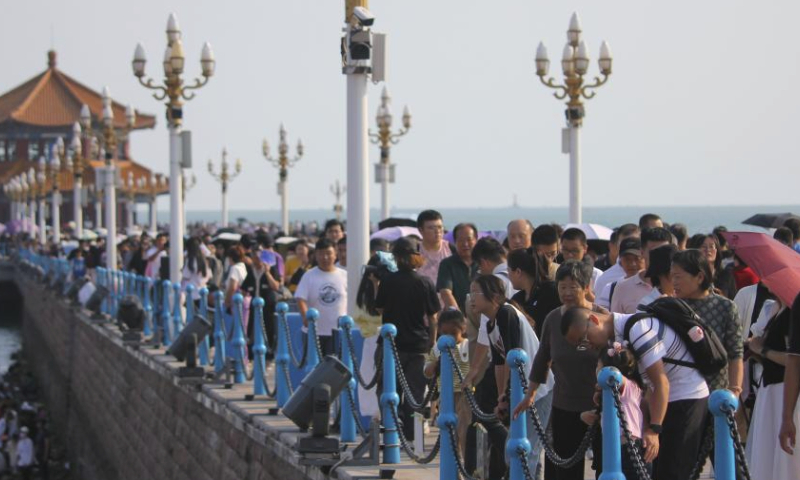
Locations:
(698, 219)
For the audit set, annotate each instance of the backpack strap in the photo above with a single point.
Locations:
(631, 321)
(611, 293)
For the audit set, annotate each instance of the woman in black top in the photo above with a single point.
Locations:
(537, 295)
(409, 302)
(771, 348)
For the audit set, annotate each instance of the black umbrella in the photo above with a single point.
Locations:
(397, 222)
(769, 220)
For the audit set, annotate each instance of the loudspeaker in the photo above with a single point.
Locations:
(300, 406)
(75, 288)
(96, 300)
(199, 327)
(131, 313)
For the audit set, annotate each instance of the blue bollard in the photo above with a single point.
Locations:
(147, 286)
(282, 358)
(203, 347)
(259, 347)
(189, 303)
(347, 424)
(518, 436)
(389, 398)
(177, 319)
(447, 411)
(612, 449)
(312, 355)
(720, 402)
(239, 341)
(166, 289)
(100, 278)
(219, 333)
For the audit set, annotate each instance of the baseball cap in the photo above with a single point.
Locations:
(630, 246)
(404, 246)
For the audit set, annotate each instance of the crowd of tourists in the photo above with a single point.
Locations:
(572, 305)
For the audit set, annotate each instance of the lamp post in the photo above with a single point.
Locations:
(188, 184)
(21, 188)
(130, 196)
(156, 181)
(175, 92)
(356, 50)
(224, 178)
(56, 152)
(384, 170)
(76, 164)
(338, 190)
(41, 180)
(574, 63)
(31, 200)
(283, 163)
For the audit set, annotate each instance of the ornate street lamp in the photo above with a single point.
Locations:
(225, 178)
(57, 153)
(174, 92)
(283, 163)
(575, 64)
(338, 191)
(384, 171)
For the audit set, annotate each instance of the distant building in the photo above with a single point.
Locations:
(33, 116)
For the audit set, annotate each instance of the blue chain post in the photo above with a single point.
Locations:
(312, 355)
(100, 278)
(259, 347)
(203, 347)
(282, 357)
(219, 333)
(239, 341)
(719, 403)
(177, 320)
(447, 412)
(166, 290)
(189, 303)
(389, 398)
(347, 424)
(608, 378)
(147, 285)
(518, 436)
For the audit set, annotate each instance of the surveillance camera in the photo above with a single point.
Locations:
(364, 16)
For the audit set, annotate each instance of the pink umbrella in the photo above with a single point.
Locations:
(776, 264)
(390, 234)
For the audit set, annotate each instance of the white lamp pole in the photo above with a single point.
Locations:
(109, 185)
(574, 63)
(225, 177)
(41, 178)
(131, 184)
(283, 163)
(175, 92)
(56, 152)
(31, 199)
(76, 148)
(385, 138)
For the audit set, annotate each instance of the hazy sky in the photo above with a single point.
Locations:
(701, 108)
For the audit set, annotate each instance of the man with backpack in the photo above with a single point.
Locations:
(674, 350)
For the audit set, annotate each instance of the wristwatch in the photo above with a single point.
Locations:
(656, 428)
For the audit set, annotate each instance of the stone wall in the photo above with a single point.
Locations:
(124, 414)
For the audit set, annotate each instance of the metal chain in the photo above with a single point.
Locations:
(290, 347)
(523, 459)
(263, 363)
(705, 449)
(470, 395)
(285, 369)
(404, 443)
(737, 444)
(630, 447)
(350, 346)
(408, 396)
(462, 470)
(354, 411)
(547, 441)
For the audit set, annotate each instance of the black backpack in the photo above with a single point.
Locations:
(709, 354)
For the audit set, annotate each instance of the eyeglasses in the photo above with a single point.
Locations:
(584, 344)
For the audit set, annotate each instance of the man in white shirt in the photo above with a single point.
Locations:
(154, 256)
(678, 403)
(616, 271)
(324, 287)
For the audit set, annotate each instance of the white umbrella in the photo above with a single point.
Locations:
(391, 234)
(286, 240)
(88, 235)
(593, 231)
(228, 236)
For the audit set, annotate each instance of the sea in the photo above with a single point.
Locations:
(698, 219)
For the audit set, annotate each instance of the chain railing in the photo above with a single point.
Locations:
(347, 332)
(408, 395)
(469, 394)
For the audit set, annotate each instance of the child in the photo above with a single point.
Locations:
(630, 393)
(451, 322)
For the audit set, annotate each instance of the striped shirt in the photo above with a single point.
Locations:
(462, 360)
(651, 341)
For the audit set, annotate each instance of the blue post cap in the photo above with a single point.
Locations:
(189, 288)
(149, 281)
(445, 342)
(722, 401)
(282, 307)
(388, 330)
(166, 283)
(608, 377)
(258, 302)
(517, 355)
(203, 292)
(312, 314)
(238, 298)
(218, 295)
(176, 286)
(346, 321)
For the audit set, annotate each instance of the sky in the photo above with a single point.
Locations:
(700, 108)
